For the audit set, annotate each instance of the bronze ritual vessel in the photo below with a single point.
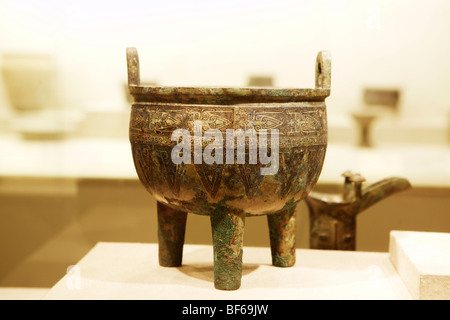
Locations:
(228, 192)
(332, 216)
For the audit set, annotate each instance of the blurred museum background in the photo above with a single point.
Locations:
(67, 179)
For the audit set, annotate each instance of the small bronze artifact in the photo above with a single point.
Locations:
(237, 184)
(333, 216)
(364, 122)
(378, 103)
(382, 99)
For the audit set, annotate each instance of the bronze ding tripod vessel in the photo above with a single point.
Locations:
(233, 186)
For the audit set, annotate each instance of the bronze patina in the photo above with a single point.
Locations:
(228, 192)
(333, 216)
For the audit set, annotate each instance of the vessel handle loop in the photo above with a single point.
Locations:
(133, 67)
(323, 70)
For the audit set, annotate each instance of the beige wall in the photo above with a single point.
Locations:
(374, 43)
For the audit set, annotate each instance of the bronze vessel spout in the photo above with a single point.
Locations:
(178, 136)
(333, 216)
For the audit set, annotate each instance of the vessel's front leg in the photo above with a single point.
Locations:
(282, 228)
(171, 230)
(228, 238)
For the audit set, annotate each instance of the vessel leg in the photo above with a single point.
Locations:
(282, 228)
(228, 235)
(171, 230)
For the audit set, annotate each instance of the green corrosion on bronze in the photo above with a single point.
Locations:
(282, 228)
(228, 235)
(171, 230)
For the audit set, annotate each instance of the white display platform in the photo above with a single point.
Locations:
(15, 293)
(422, 260)
(131, 271)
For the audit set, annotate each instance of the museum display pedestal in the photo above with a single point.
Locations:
(417, 266)
(422, 260)
(131, 271)
(19, 293)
